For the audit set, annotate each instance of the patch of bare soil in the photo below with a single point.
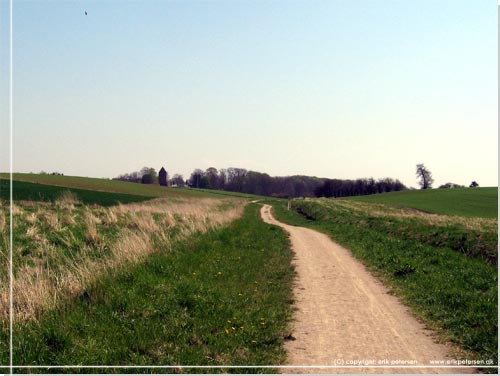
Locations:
(346, 317)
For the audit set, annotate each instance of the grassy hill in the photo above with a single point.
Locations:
(42, 192)
(95, 184)
(466, 202)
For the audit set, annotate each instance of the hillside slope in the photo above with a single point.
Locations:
(466, 202)
(106, 185)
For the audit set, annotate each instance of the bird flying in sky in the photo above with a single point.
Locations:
(85, 12)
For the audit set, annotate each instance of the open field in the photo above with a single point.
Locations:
(466, 202)
(443, 267)
(23, 191)
(220, 298)
(48, 184)
(107, 185)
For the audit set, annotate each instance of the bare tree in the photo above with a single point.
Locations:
(222, 178)
(236, 179)
(424, 176)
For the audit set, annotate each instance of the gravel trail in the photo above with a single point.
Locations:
(343, 314)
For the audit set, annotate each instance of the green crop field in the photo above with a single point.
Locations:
(107, 185)
(467, 202)
(23, 191)
(443, 267)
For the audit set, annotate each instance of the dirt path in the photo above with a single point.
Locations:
(343, 314)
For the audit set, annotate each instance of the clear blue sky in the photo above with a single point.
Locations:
(339, 89)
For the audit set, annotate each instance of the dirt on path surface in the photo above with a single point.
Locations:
(343, 314)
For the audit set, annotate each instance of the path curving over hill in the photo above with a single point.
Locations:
(343, 314)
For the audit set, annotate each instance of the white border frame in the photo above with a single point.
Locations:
(11, 366)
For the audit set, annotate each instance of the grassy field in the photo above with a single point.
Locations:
(443, 267)
(23, 191)
(75, 237)
(107, 185)
(60, 246)
(79, 184)
(220, 298)
(466, 202)
(158, 275)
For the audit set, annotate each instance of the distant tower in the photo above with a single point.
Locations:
(162, 177)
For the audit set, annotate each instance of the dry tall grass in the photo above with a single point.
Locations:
(91, 221)
(4, 260)
(3, 221)
(17, 210)
(67, 201)
(55, 277)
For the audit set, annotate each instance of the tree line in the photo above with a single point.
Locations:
(240, 180)
(258, 183)
(358, 187)
(148, 175)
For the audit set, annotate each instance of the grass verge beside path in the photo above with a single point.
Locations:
(220, 298)
(454, 293)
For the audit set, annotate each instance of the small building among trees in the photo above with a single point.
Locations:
(162, 177)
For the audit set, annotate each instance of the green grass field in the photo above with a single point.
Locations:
(443, 267)
(42, 192)
(115, 186)
(107, 185)
(220, 298)
(467, 202)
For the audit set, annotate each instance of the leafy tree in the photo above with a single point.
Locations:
(451, 185)
(424, 176)
(147, 179)
(148, 175)
(213, 178)
(178, 180)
